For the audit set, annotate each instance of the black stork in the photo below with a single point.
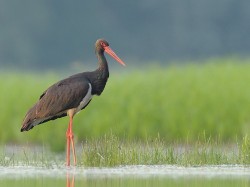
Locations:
(70, 95)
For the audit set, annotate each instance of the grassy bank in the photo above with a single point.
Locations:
(111, 151)
(177, 102)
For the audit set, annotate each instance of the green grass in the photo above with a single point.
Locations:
(112, 151)
(177, 102)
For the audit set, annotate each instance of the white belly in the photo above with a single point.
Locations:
(85, 100)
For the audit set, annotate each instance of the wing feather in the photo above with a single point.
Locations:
(56, 100)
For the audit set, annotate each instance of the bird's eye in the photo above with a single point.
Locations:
(103, 44)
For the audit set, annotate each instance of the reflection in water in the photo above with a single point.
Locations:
(133, 176)
(70, 179)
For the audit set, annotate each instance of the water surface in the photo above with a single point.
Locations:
(137, 175)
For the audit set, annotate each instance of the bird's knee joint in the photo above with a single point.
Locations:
(69, 135)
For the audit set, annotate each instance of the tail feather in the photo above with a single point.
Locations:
(28, 122)
(31, 119)
(27, 127)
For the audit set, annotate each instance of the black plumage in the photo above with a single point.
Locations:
(68, 93)
(71, 95)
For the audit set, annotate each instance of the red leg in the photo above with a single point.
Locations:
(73, 149)
(70, 138)
(68, 146)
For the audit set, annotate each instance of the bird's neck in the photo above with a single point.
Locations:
(102, 71)
(102, 63)
(101, 74)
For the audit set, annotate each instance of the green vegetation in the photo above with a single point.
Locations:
(111, 151)
(177, 102)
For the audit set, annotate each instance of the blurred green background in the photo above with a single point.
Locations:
(176, 102)
(187, 67)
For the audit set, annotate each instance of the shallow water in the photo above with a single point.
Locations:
(139, 171)
(140, 175)
(29, 174)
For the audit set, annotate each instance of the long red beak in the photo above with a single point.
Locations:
(108, 50)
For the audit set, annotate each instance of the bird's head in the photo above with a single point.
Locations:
(103, 45)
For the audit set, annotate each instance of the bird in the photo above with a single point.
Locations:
(71, 95)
